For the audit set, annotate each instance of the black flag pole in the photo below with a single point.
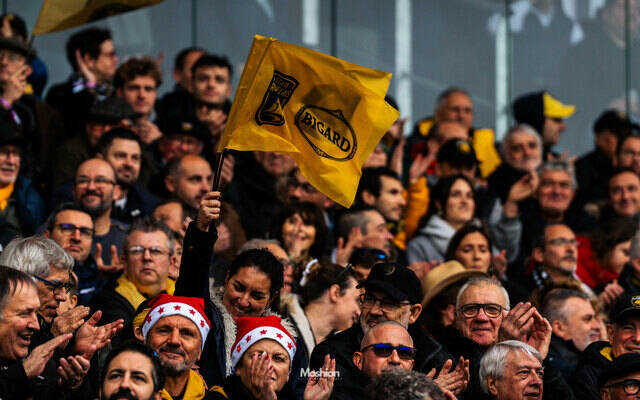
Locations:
(216, 181)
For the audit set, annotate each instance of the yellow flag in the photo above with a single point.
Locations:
(328, 114)
(57, 15)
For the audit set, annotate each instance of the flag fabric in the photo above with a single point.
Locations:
(328, 114)
(57, 15)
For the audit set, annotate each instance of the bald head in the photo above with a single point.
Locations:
(95, 186)
(387, 329)
(374, 356)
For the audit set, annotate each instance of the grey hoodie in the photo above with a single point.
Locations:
(431, 241)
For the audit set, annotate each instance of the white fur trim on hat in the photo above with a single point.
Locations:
(182, 309)
(263, 332)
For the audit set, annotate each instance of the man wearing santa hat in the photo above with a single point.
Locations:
(175, 328)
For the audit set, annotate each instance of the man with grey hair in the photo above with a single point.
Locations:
(28, 371)
(483, 318)
(50, 266)
(512, 370)
(147, 257)
(574, 325)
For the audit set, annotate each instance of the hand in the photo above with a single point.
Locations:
(185, 226)
(455, 381)
(499, 262)
(214, 118)
(610, 293)
(209, 210)
(91, 338)
(540, 336)
(147, 131)
(516, 324)
(14, 86)
(419, 166)
(36, 361)
(72, 371)
(108, 271)
(524, 187)
(69, 321)
(226, 174)
(89, 76)
(421, 268)
(320, 388)
(344, 250)
(260, 372)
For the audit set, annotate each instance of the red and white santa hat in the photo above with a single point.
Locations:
(164, 305)
(253, 329)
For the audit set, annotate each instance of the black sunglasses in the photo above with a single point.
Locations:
(384, 350)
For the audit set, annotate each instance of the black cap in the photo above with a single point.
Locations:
(17, 45)
(457, 152)
(395, 280)
(613, 121)
(185, 126)
(111, 110)
(625, 306)
(9, 134)
(621, 366)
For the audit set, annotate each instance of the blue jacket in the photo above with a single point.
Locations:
(29, 210)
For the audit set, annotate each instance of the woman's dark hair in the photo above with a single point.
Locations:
(321, 277)
(311, 215)
(157, 372)
(440, 194)
(474, 226)
(610, 233)
(265, 262)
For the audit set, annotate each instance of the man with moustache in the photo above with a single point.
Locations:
(555, 257)
(391, 293)
(146, 258)
(574, 324)
(122, 148)
(176, 328)
(95, 189)
(132, 370)
(623, 331)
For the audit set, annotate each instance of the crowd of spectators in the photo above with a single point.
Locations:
(466, 268)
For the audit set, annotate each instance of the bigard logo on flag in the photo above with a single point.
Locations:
(328, 114)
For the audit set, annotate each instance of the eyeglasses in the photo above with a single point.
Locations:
(491, 310)
(563, 242)
(384, 350)
(70, 229)
(56, 286)
(286, 263)
(99, 181)
(154, 251)
(368, 301)
(630, 386)
(630, 153)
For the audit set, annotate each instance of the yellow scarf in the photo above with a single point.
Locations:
(129, 291)
(195, 389)
(5, 193)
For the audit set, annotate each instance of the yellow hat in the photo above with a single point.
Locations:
(553, 108)
(437, 280)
